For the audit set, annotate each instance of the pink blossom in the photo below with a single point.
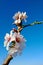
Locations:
(19, 16)
(17, 37)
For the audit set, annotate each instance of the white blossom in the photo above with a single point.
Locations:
(19, 40)
(8, 39)
(19, 46)
(18, 17)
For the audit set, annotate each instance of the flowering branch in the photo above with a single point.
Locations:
(15, 42)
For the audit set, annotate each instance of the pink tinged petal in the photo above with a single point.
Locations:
(5, 43)
(16, 16)
(20, 39)
(16, 21)
(19, 21)
(7, 35)
(13, 52)
(24, 13)
(7, 47)
(8, 39)
(11, 33)
(20, 15)
(13, 39)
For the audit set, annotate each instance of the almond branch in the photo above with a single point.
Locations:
(34, 23)
(7, 60)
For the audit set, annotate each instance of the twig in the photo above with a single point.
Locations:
(34, 23)
(7, 60)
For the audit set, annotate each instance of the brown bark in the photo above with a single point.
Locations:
(7, 60)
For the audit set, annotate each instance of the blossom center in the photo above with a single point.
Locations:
(9, 39)
(17, 39)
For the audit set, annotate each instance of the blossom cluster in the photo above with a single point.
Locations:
(18, 17)
(14, 41)
(17, 38)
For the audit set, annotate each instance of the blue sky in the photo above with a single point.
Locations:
(33, 53)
